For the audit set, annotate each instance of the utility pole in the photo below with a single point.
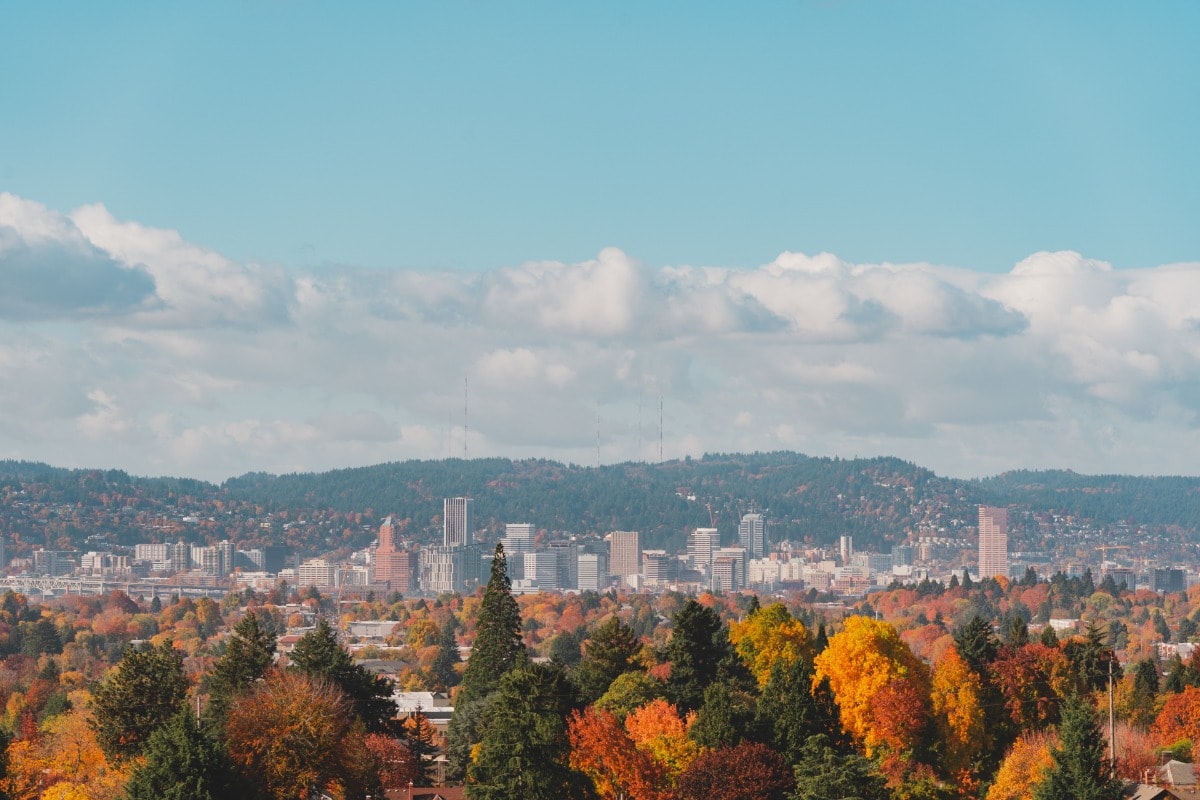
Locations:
(1112, 719)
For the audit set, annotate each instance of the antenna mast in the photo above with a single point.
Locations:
(660, 432)
(466, 428)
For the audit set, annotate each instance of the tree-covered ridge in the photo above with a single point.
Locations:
(878, 501)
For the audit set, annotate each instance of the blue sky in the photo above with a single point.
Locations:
(276, 235)
(475, 135)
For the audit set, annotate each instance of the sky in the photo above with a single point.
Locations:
(290, 236)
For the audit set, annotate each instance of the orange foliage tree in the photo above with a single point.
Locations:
(291, 734)
(602, 749)
(957, 713)
(861, 661)
(770, 636)
(1179, 718)
(657, 729)
(1024, 767)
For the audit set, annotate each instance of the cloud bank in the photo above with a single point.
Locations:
(127, 346)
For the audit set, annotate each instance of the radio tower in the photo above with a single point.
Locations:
(660, 432)
(466, 427)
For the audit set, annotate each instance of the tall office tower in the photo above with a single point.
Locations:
(624, 553)
(227, 551)
(542, 569)
(593, 572)
(738, 554)
(394, 565)
(567, 553)
(518, 540)
(181, 557)
(846, 549)
(993, 542)
(701, 545)
(752, 535)
(458, 523)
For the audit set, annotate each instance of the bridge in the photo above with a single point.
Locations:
(47, 587)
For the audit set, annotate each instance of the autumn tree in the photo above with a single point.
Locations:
(289, 734)
(1080, 771)
(749, 771)
(658, 729)
(1024, 766)
(958, 713)
(249, 653)
(320, 654)
(618, 769)
(864, 659)
(768, 636)
(630, 691)
(139, 695)
(183, 763)
(524, 751)
(695, 650)
(1179, 719)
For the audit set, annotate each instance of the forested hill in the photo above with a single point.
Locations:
(816, 499)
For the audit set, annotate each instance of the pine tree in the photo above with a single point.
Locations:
(249, 653)
(790, 710)
(696, 648)
(610, 651)
(824, 772)
(498, 645)
(524, 751)
(182, 763)
(1080, 771)
(137, 697)
(320, 654)
(725, 719)
(447, 657)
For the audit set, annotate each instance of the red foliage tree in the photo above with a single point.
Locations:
(749, 771)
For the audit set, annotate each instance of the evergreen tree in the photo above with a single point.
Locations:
(463, 733)
(1079, 771)
(182, 763)
(696, 648)
(420, 735)
(249, 652)
(137, 697)
(1018, 632)
(1090, 657)
(976, 643)
(320, 654)
(1049, 637)
(790, 710)
(498, 645)
(524, 750)
(824, 772)
(447, 657)
(610, 651)
(725, 719)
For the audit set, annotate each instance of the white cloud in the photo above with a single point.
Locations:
(179, 360)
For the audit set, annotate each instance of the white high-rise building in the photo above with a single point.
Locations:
(458, 523)
(625, 553)
(993, 542)
(701, 545)
(752, 535)
(542, 569)
(738, 554)
(593, 572)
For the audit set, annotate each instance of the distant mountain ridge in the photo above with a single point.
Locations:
(876, 500)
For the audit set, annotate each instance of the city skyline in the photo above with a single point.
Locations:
(961, 236)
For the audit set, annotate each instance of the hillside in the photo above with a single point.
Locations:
(878, 500)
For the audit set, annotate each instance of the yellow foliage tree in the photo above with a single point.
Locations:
(957, 712)
(770, 636)
(862, 660)
(657, 729)
(1024, 767)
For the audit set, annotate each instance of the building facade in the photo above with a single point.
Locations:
(993, 542)
(752, 535)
